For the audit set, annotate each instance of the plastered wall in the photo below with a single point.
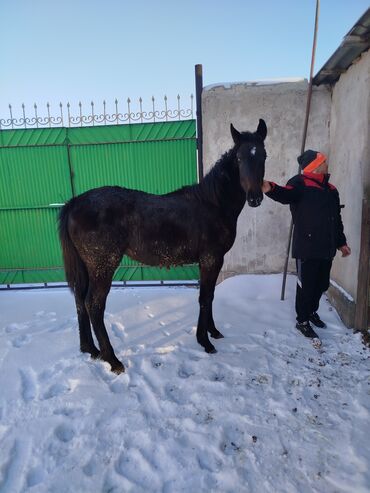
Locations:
(262, 235)
(350, 160)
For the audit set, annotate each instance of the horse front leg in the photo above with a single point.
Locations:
(209, 270)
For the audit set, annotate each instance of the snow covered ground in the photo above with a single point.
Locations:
(267, 413)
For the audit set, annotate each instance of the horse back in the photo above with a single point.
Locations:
(166, 230)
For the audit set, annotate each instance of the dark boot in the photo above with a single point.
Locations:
(316, 320)
(306, 329)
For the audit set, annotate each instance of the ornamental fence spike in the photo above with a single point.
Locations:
(165, 113)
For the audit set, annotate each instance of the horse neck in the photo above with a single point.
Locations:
(221, 186)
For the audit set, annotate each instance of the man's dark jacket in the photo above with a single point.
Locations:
(315, 208)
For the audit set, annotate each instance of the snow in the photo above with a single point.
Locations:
(343, 291)
(261, 82)
(267, 413)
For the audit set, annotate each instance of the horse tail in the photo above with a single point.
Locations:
(74, 267)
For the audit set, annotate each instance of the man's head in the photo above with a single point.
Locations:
(313, 162)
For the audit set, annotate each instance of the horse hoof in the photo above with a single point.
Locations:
(94, 352)
(216, 335)
(211, 350)
(118, 369)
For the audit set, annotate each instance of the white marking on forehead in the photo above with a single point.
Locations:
(253, 150)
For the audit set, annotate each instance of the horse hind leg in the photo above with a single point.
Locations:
(87, 344)
(95, 302)
(215, 333)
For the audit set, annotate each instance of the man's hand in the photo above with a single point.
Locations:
(345, 250)
(266, 187)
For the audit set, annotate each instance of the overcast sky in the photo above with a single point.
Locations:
(74, 50)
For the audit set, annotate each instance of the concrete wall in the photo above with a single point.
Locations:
(350, 160)
(262, 236)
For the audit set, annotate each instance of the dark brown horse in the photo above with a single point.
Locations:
(196, 223)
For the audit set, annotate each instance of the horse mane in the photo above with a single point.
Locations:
(212, 187)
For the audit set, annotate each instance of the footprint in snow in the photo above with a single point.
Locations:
(217, 377)
(71, 412)
(29, 384)
(209, 462)
(157, 361)
(35, 476)
(176, 395)
(185, 371)
(17, 462)
(63, 366)
(118, 330)
(64, 433)
(260, 379)
(230, 448)
(90, 468)
(117, 387)
(133, 460)
(21, 340)
(57, 389)
(116, 384)
(13, 328)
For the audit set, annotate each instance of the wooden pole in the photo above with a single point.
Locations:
(308, 106)
(362, 298)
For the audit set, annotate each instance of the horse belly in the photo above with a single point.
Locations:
(157, 253)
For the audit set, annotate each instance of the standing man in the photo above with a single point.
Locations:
(318, 234)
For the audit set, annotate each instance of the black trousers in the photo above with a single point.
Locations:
(313, 280)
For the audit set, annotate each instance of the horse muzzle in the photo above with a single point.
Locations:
(254, 200)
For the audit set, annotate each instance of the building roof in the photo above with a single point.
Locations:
(354, 43)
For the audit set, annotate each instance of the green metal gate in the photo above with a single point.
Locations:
(40, 169)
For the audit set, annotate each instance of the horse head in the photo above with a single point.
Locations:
(250, 157)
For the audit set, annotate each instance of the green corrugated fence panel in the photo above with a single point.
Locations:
(147, 273)
(33, 176)
(156, 167)
(30, 250)
(99, 134)
(33, 137)
(154, 157)
(138, 132)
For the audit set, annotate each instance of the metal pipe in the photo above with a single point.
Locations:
(198, 97)
(308, 106)
(127, 284)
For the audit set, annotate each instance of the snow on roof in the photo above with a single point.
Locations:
(261, 82)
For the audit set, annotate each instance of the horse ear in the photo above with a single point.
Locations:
(262, 129)
(235, 134)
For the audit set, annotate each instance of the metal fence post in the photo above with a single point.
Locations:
(71, 172)
(198, 97)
